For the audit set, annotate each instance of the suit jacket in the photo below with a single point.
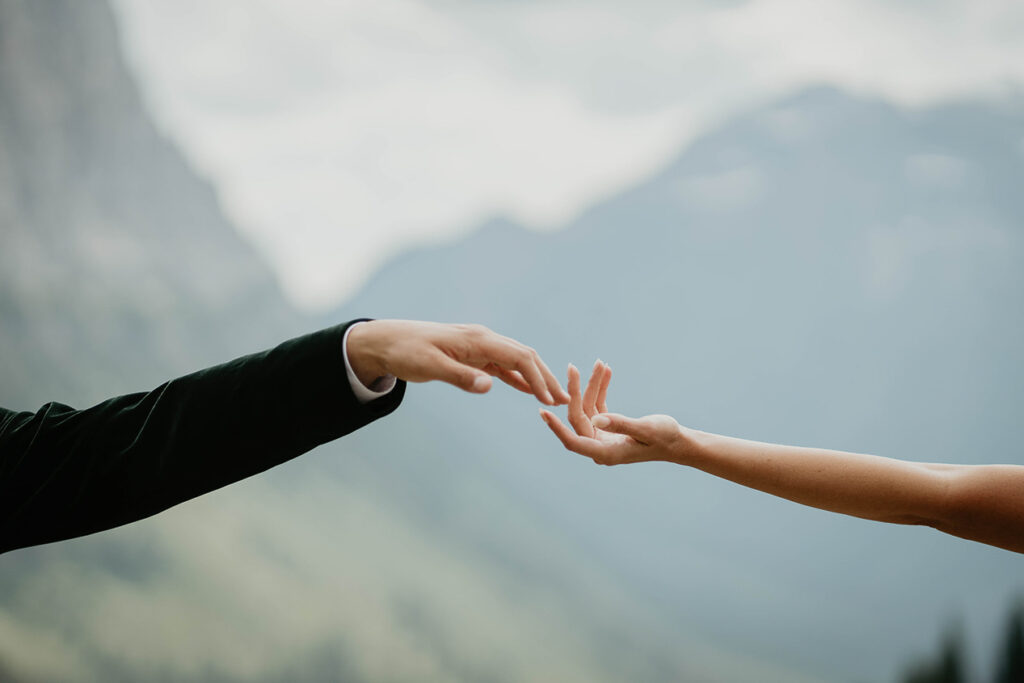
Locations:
(67, 472)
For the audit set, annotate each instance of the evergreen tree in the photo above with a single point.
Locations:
(1010, 666)
(947, 667)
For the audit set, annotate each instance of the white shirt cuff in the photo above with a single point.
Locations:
(364, 394)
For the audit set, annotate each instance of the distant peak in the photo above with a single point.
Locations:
(498, 225)
(820, 93)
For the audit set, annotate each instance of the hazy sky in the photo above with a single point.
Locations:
(340, 132)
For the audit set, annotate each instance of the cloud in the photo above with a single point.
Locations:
(339, 134)
(342, 132)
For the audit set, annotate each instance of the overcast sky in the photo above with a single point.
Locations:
(342, 131)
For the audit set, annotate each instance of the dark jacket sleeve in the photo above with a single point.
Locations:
(67, 472)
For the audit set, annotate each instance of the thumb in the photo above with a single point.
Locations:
(620, 424)
(462, 376)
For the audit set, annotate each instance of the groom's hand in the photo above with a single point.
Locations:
(463, 355)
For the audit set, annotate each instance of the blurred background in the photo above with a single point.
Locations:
(783, 220)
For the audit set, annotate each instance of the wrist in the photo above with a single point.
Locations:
(688, 446)
(365, 348)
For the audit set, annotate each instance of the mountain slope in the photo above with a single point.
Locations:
(108, 234)
(118, 270)
(826, 270)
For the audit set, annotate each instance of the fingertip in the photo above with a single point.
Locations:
(574, 380)
(481, 384)
(600, 421)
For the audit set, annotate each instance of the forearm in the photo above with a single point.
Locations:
(66, 472)
(987, 505)
(865, 486)
(982, 503)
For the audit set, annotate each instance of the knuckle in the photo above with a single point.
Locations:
(661, 423)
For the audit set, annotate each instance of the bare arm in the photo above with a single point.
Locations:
(978, 502)
(983, 503)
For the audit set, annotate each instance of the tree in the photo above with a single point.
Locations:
(947, 667)
(1010, 665)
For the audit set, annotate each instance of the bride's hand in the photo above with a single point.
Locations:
(608, 438)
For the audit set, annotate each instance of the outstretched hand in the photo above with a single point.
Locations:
(462, 355)
(609, 438)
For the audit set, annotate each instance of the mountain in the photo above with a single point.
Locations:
(118, 269)
(827, 269)
(109, 236)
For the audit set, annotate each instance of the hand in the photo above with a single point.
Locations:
(608, 438)
(462, 355)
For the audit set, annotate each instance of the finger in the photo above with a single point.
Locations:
(590, 395)
(462, 376)
(511, 355)
(620, 424)
(509, 377)
(554, 386)
(531, 373)
(573, 442)
(560, 397)
(577, 418)
(602, 392)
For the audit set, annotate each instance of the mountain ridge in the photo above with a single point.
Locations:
(98, 206)
(857, 289)
(821, 270)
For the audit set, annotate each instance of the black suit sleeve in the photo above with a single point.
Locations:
(67, 472)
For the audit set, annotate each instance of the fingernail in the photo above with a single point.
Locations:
(598, 362)
(481, 383)
(600, 421)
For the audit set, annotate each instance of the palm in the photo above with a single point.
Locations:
(611, 440)
(604, 447)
